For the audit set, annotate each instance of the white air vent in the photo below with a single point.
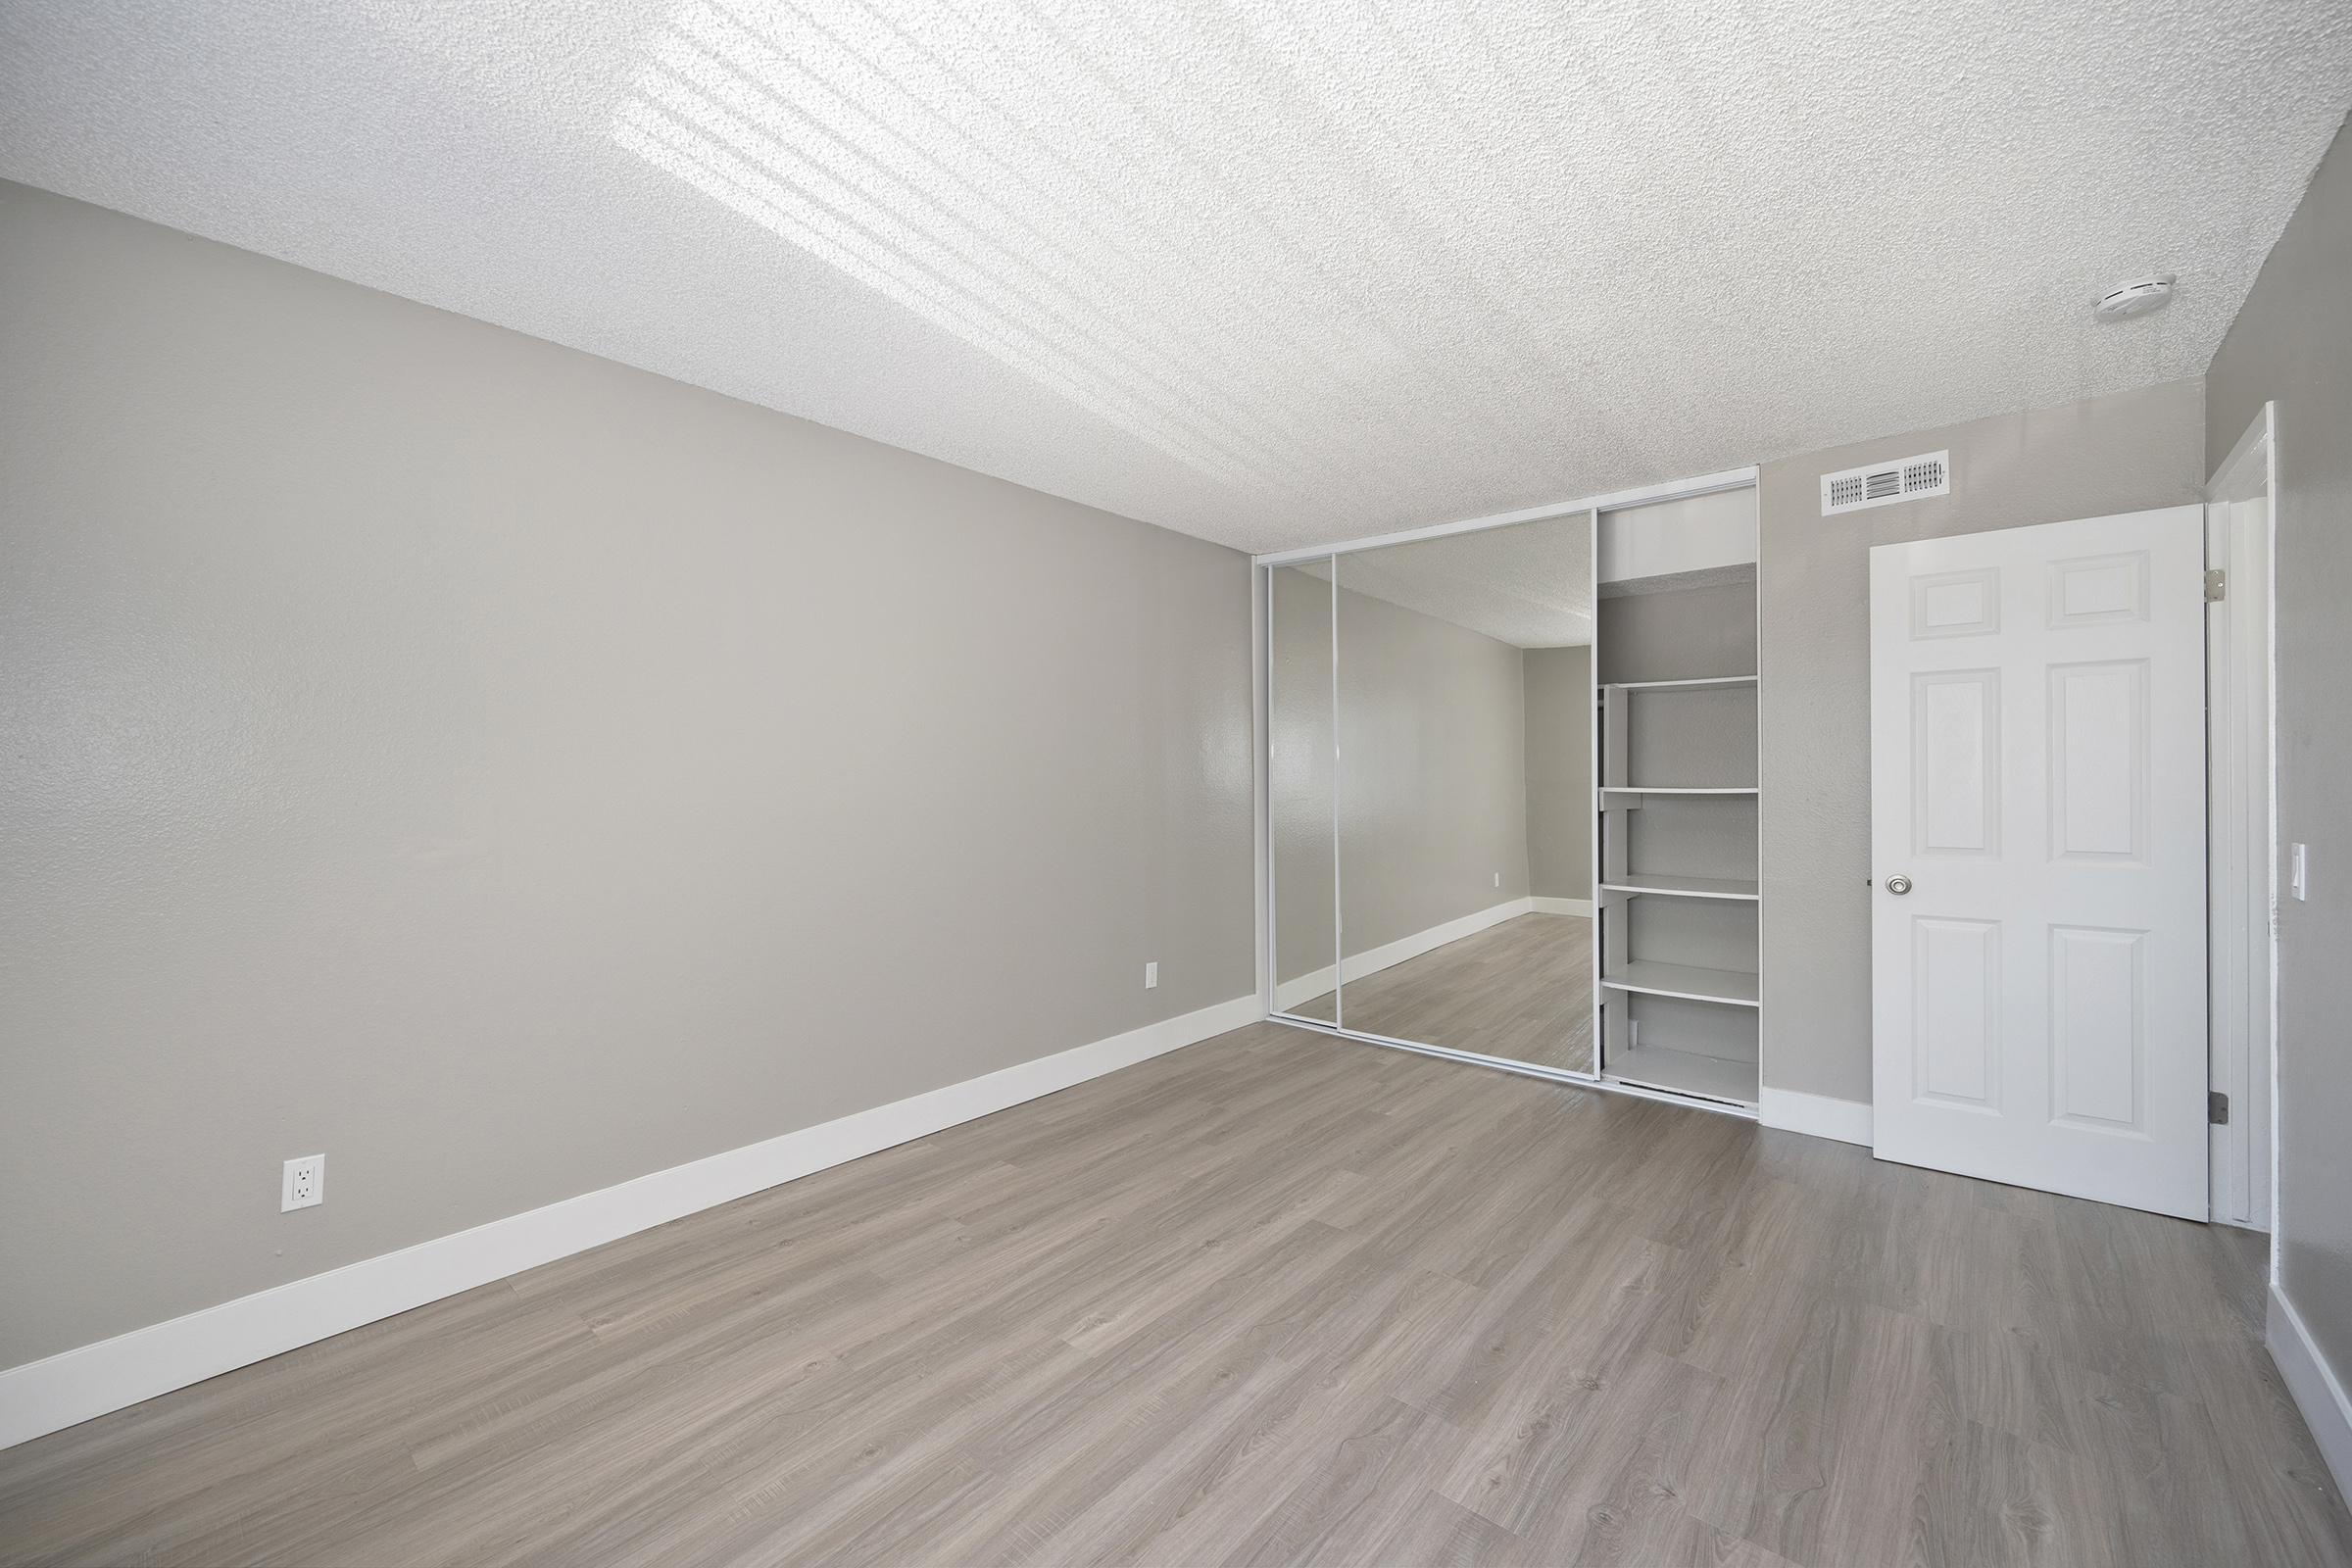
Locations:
(1884, 483)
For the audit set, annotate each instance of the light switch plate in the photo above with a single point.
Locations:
(2298, 871)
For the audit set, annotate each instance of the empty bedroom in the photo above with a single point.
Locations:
(1412, 783)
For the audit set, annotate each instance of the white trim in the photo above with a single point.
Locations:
(1820, 1115)
(1616, 500)
(2243, 1181)
(2263, 429)
(1339, 862)
(1581, 906)
(1261, 633)
(1372, 960)
(1737, 1109)
(2270, 422)
(1764, 1057)
(42, 1397)
(1699, 683)
(2318, 1391)
(1682, 789)
(1592, 798)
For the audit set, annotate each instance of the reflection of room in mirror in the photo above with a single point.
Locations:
(1300, 837)
(1460, 714)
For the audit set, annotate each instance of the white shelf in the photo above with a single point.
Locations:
(1687, 887)
(1685, 1072)
(1699, 684)
(1643, 789)
(1658, 582)
(1733, 987)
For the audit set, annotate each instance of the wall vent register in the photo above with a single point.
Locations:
(1882, 484)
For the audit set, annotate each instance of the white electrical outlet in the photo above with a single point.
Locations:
(1499, 879)
(2298, 874)
(1151, 977)
(305, 1183)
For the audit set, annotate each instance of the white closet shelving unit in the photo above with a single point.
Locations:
(1678, 1000)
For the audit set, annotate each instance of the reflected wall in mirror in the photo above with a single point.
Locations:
(1300, 818)
(1465, 817)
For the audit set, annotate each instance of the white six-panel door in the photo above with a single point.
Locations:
(2037, 785)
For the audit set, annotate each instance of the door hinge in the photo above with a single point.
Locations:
(2217, 1108)
(2216, 586)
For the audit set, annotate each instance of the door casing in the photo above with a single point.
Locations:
(2243, 814)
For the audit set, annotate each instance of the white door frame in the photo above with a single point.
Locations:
(2242, 921)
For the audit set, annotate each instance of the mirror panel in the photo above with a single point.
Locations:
(1465, 811)
(1301, 803)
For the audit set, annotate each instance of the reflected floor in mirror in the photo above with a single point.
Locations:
(1521, 990)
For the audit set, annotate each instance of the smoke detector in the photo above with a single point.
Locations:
(2135, 298)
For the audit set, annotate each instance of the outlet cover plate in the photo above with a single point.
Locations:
(304, 1185)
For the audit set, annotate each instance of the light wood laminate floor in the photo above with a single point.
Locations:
(1521, 990)
(1275, 1297)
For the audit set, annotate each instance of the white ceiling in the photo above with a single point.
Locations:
(1529, 585)
(1271, 274)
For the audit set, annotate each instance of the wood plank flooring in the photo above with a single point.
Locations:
(1521, 990)
(1277, 1297)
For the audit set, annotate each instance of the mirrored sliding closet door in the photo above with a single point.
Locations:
(1460, 722)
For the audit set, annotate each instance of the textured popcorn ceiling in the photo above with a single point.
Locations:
(1530, 586)
(1273, 273)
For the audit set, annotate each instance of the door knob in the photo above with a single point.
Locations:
(1898, 885)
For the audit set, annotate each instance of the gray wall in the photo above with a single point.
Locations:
(1433, 771)
(1299, 761)
(1559, 771)
(512, 773)
(1433, 776)
(2125, 452)
(1678, 634)
(2292, 343)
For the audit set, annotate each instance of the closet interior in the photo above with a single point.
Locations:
(1678, 1006)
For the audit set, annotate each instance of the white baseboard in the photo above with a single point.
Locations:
(1846, 1120)
(1583, 907)
(1389, 954)
(1306, 987)
(1372, 960)
(2318, 1391)
(45, 1396)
